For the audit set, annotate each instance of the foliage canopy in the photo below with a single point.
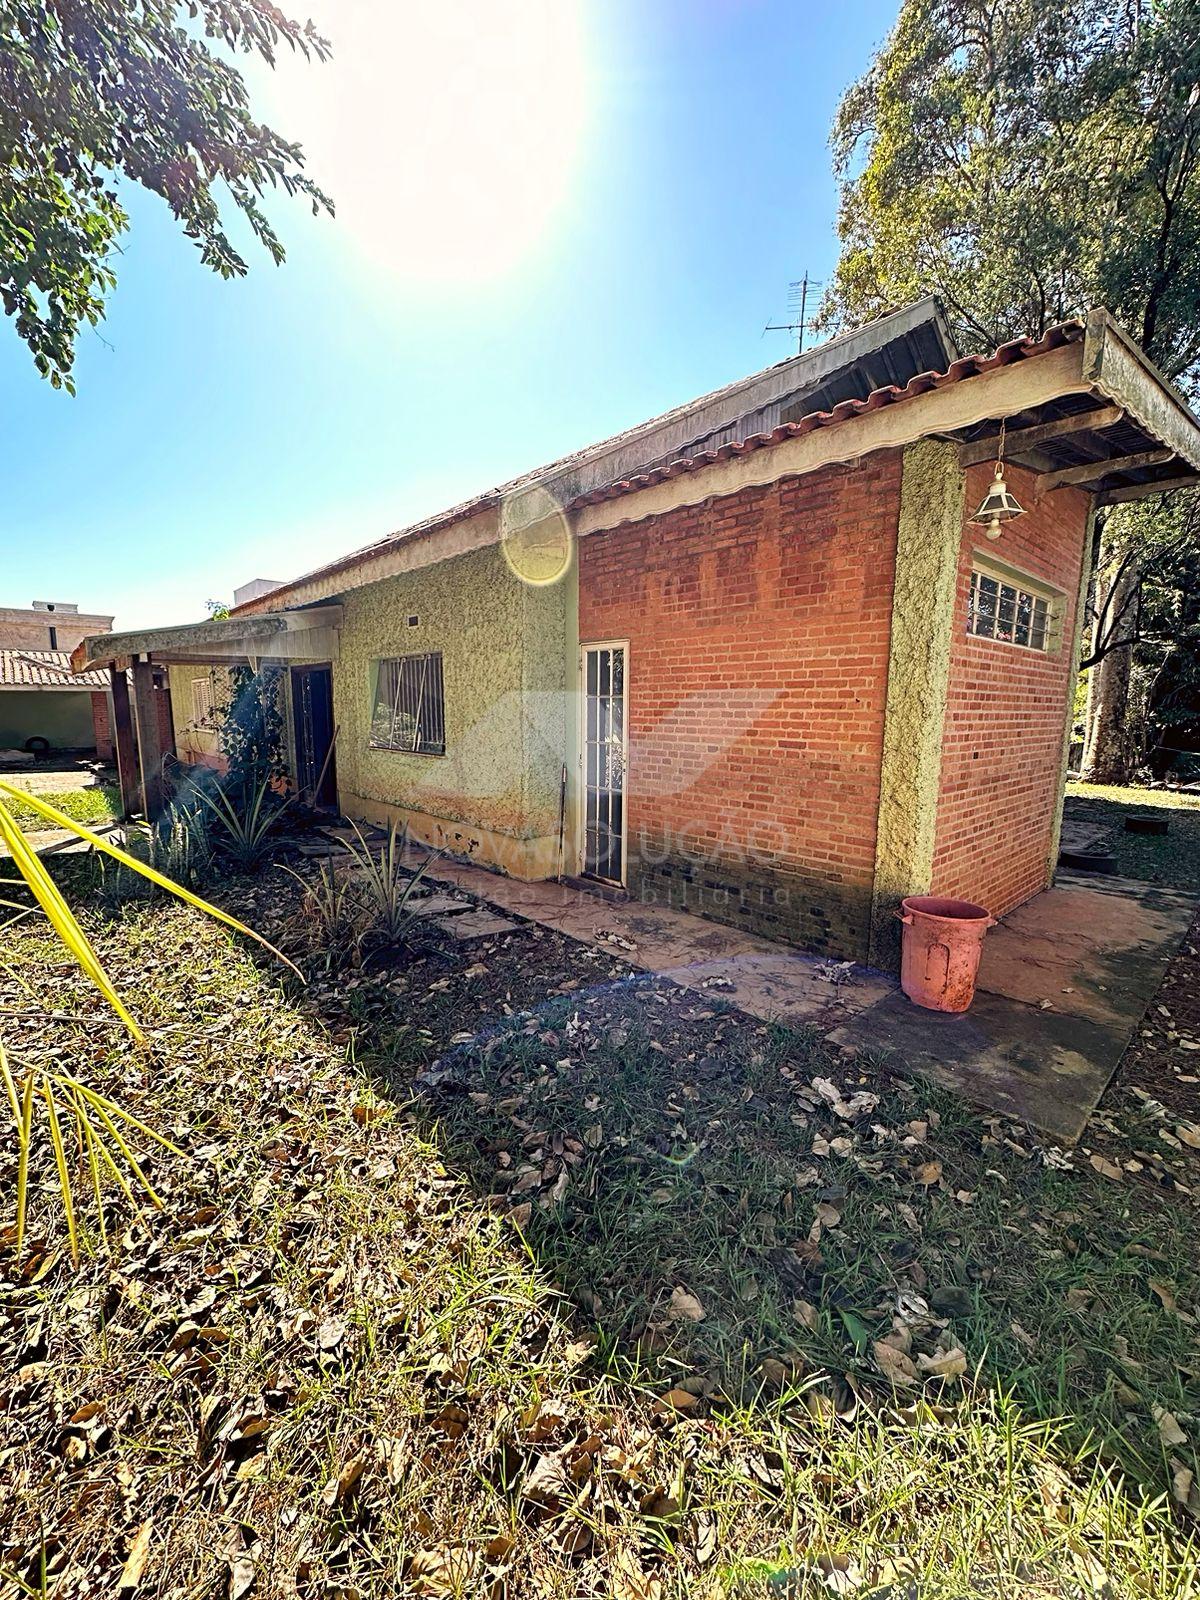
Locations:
(96, 91)
(1027, 159)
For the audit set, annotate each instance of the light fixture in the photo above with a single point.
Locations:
(999, 504)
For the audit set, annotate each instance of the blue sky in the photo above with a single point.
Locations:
(556, 218)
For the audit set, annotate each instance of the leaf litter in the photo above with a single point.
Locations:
(329, 1336)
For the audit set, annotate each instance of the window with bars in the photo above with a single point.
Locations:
(1002, 608)
(202, 702)
(409, 711)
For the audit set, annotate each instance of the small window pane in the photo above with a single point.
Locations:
(409, 710)
(1006, 612)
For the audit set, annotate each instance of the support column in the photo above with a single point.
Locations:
(928, 542)
(149, 738)
(123, 743)
(1086, 564)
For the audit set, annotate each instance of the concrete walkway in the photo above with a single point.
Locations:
(1064, 982)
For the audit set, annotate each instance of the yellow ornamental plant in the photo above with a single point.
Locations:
(38, 1094)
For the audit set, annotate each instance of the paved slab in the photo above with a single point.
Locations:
(1065, 980)
(477, 925)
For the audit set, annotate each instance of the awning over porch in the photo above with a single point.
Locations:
(302, 635)
(309, 634)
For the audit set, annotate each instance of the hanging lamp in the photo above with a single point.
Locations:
(999, 504)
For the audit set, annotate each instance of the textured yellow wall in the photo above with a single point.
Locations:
(504, 647)
(192, 744)
(927, 547)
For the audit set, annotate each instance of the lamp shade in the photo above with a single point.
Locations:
(999, 505)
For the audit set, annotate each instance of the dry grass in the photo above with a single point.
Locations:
(332, 1367)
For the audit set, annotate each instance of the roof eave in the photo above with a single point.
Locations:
(225, 638)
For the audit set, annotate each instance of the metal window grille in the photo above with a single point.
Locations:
(1004, 611)
(202, 701)
(409, 711)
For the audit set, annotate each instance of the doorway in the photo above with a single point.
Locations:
(604, 762)
(312, 720)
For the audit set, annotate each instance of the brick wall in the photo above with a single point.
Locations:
(100, 727)
(1005, 712)
(758, 629)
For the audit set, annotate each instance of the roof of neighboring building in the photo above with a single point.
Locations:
(45, 669)
(890, 350)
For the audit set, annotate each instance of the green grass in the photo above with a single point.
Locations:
(98, 803)
(333, 1358)
(1173, 858)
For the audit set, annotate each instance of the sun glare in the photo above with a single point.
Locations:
(448, 135)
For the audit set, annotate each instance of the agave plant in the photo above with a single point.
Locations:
(244, 829)
(387, 882)
(36, 1092)
(331, 914)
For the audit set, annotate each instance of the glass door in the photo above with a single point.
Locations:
(604, 762)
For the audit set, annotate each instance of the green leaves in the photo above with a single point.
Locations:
(1026, 160)
(127, 89)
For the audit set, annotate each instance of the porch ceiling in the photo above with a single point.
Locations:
(1129, 435)
(302, 635)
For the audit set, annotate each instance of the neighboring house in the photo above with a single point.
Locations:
(753, 658)
(43, 705)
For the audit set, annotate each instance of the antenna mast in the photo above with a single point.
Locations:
(798, 305)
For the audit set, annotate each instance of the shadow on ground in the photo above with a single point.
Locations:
(732, 1202)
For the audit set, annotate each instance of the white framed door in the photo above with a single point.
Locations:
(604, 751)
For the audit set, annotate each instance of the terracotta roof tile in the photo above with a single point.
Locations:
(45, 669)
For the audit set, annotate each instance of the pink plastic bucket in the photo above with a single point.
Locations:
(940, 950)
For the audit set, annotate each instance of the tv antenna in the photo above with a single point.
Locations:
(798, 306)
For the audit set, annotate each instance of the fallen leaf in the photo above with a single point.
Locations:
(893, 1363)
(139, 1550)
(947, 1364)
(684, 1307)
(1105, 1168)
(676, 1400)
(928, 1173)
(1166, 1295)
(1169, 1430)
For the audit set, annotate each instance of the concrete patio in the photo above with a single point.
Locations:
(1064, 982)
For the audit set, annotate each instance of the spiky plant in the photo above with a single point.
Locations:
(386, 881)
(39, 1094)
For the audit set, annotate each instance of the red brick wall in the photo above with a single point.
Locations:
(100, 728)
(1005, 712)
(758, 628)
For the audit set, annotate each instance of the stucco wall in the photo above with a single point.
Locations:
(196, 746)
(64, 717)
(494, 794)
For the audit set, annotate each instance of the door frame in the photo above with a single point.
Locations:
(581, 797)
(304, 669)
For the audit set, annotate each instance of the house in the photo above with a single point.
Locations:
(755, 658)
(43, 705)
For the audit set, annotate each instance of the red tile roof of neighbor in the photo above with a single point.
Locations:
(965, 367)
(45, 669)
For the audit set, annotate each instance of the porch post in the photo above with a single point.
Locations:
(150, 748)
(1076, 647)
(123, 744)
(928, 541)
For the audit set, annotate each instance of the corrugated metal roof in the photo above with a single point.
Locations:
(892, 344)
(45, 669)
(890, 395)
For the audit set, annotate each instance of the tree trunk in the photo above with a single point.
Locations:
(1108, 752)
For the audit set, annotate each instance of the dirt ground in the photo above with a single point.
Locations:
(1159, 1076)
